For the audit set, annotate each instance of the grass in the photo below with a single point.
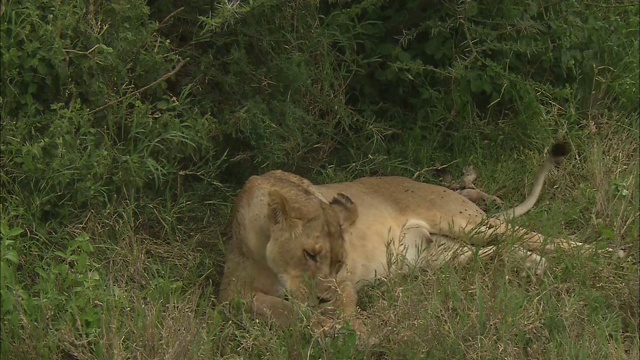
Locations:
(139, 281)
(114, 219)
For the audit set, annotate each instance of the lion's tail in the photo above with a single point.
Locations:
(556, 155)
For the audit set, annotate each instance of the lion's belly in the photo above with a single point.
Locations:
(374, 248)
(373, 244)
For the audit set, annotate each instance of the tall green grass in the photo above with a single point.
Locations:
(128, 127)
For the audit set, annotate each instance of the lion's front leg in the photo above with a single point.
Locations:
(273, 308)
(350, 308)
(479, 197)
(348, 297)
(332, 314)
(340, 310)
(466, 188)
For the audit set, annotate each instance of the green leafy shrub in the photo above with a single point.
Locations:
(88, 124)
(468, 72)
(89, 132)
(128, 125)
(277, 109)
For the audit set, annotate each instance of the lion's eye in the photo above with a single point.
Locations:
(310, 256)
(339, 266)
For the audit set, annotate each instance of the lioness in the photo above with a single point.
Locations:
(286, 230)
(283, 232)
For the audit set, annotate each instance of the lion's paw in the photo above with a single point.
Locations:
(536, 264)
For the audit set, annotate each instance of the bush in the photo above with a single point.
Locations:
(81, 124)
(467, 73)
(127, 126)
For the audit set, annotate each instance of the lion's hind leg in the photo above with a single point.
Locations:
(458, 253)
(533, 241)
(446, 250)
(422, 248)
(478, 234)
(438, 250)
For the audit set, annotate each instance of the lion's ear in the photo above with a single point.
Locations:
(278, 208)
(345, 208)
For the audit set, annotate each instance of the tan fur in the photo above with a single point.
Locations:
(426, 225)
(283, 230)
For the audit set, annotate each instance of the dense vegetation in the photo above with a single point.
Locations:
(128, 127)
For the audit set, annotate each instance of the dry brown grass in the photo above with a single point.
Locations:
(158, 301)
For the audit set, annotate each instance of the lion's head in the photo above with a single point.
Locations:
(306, 246)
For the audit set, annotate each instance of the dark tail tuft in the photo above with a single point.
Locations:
(560, 149)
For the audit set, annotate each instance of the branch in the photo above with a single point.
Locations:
(163, 78)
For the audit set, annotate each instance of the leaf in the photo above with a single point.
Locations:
(162, 104)
(404, 56)
(13, 232)
(11, 255)
(607, 233)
